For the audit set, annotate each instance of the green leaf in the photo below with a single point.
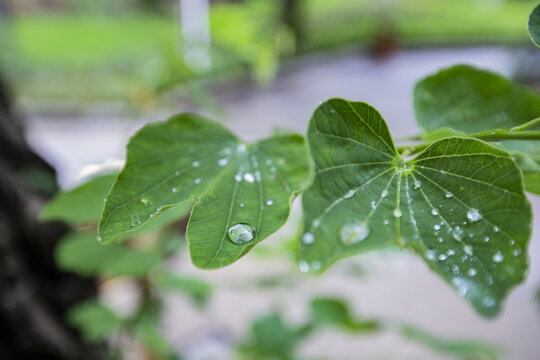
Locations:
(79, 252)
(335, 312)
(530, 166)
(463, 349)
(95, 321)
(189, 158)
(534, 25)
(80, 205)
(198, 290)
(459, 204)
(470, 100)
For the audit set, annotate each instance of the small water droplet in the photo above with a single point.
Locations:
(196, 164)
(496, 228)
(272, 169)
(440, 239)
(417, 184)
(316, 265)
(98, 238)
(105, 200)
(451, 252)
(457, 233)
(145, 201)
(237, 177)
(396, 213)
(430, 254)
(174, 189)
(197, 181)
(248, 177)
(434, 212)
(303, 266)
(498, 257)
(308, 238)
(354, 232)
(486, 239)
(223, 162)
(268, 162)
(316, 223)
(436, 227)
(442, 257)
(177, 172)
(134, 220)
(471, 272)
(242, 205)
(461, 285)
(516, 252)
(448, 195)
(468, 249)
(241, 233)
(257, 175)
(489, 301)
(384, 193)
(474, 215)
(373, 205)
(241, 147)
(349, 194)
(385, 222)
(269, 202)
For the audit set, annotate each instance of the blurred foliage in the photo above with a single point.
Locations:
(95, 321)
(272, 338)
(122, 52)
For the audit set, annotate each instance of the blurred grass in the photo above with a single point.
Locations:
(91, 57)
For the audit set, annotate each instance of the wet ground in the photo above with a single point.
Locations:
(395, 285)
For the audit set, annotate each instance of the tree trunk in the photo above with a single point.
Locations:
(34, 293)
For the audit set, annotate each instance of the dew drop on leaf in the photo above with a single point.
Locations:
(197, 181)
(223, 162)
(316, 265)
(174, 189)
(417, 184)
(269, 203)
(486, 239)
(436, 227)
(145, 201)
(242, 205)
(448, 195)
(496, 228)
(443, 257)
(434, 212)
(248, 177)
(354, 232)
(396, 213)
(237, 177)
(303, 266)
(430, 254)
(384, 193)
(498, 257)
(308, 238)
(468, 249)
(241, 233)
(385, 222)
(474, 215)
(349, 194)
(195, 164)
(134, 220)
(471, 272)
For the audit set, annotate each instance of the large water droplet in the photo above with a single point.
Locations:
(474, 215)
(471, 272)
(269, 203)
(349, 194)
(436, 227)
(498, 257)
(354, 232)
(384, 193)
(417, 184)
(241, 233)
(308, 238)
(396, 213)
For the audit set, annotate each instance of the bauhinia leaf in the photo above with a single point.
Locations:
(459, 204)
(471, 100)
(242, 192)
(534, 25)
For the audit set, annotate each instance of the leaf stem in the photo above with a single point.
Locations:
(515, 133)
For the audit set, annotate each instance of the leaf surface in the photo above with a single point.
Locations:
(469, 100)
(534, 25)
(459, 204)
(246, 187)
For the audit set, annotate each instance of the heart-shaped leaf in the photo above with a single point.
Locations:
(471, 100)
(242, 192)
(459, 204)
(534, 25)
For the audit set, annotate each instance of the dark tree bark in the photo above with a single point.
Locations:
(34, 293)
